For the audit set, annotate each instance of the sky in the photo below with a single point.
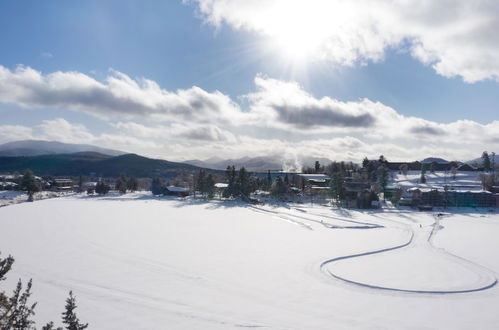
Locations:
(196, 79)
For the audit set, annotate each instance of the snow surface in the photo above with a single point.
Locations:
(140, 262)
(464, 181)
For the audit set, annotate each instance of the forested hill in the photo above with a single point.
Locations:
(86, 163)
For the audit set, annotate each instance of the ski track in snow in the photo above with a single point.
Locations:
(481, 271)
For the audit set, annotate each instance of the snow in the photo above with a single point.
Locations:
(136, 261)
(464, 181)
(9, 197)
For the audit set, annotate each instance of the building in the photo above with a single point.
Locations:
(62, 185)
(176, 191)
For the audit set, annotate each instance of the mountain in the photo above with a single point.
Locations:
(258, 164)
(39, 147)
(92, 163)
(437, 160)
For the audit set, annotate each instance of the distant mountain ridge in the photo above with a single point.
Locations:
(262, 163)
(41, 147)
(92, 163)
(437, 160)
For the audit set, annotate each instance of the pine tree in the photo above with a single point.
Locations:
(278, 188)
(336, 186)
(102, 188)
(50, 326)
(243, 183)
(230, 175)
(365, 162)
(317, 166)
(210, 186)
(268, 183)
(132, 184)
(69, 317)
(486, 161)
(422, 179)
(121, 184)
(16, 313)
(383, 177)
(29, 184)
(156, 186)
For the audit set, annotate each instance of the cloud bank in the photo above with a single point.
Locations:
(455, 37)
(280, 117)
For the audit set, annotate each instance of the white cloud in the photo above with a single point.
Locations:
(455, 37)
(281, 117)
(117, 96)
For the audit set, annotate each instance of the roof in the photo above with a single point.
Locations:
(177, 189)
(315, 177)
(221, 185)
(6, 184)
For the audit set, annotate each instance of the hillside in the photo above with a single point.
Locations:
(39, 147)
(86, 163)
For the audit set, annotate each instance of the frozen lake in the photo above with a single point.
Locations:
(138, 262)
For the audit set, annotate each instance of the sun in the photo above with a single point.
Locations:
(297, 34)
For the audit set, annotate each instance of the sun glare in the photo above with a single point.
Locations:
(297, 33)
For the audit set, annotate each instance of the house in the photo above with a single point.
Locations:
(176, 191)
(314, 180)
(359, 195)
(62, 185)
(467, 167)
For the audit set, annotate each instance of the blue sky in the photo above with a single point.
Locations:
(211, 45)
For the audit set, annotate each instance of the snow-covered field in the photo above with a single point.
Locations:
(9, 197)
(137, 262)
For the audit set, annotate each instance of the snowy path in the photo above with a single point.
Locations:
(418, 245)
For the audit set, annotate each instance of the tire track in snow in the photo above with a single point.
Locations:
(468, 263)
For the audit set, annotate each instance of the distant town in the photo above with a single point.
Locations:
(372, 183)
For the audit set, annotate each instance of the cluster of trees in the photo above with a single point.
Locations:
(205, 184)
(488, 161)
(30, 184)
(102, 188)
(125, 183)
(239, 183)
(16, 311)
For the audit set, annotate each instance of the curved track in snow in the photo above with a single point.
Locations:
(436, 226)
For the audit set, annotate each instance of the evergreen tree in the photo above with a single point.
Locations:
(121, 184)
(365, 162)
(156, 186)
(230, 175)
(200, 183)
(50, 326)
(423, 172)
(317, 166)
(268, 184)
(383, 177)
(278, 188)
(243, 182)
(132, 184)
(486, 161)
(16, 312)
(210, 186)
(102, 188)
(80, 184)
(30, 184)
(336, 186)
(69, 317)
